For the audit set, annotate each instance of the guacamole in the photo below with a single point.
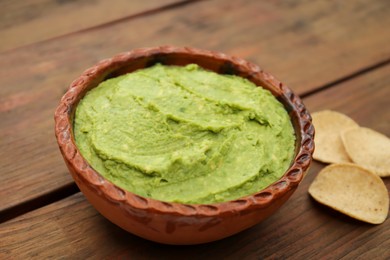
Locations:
(184, 134)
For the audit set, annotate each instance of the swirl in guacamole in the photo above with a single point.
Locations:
(184, 134)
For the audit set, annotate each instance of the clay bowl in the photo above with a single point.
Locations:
(174, 223)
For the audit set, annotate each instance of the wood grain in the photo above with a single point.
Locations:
(306, 44)
(364, 98)
(301, 229)
(25, 22)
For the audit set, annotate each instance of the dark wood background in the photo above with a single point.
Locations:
(334, 54)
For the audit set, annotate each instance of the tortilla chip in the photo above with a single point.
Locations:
(352, 190)
(369, 149)
(329, 125)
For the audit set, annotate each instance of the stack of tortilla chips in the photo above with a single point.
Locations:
(359, 157)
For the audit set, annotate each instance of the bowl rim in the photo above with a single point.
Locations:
(304, 131)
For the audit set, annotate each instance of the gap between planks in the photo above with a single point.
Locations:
(39, 202)
(341, 80)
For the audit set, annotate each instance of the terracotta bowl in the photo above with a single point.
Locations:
(174, 223)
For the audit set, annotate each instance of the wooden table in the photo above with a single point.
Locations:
(334, 54)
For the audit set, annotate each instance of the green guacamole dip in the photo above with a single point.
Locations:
(184, 134)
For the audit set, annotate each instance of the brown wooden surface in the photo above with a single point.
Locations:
(25, 22)
(307, 45)
(301, 229)
(335, 54)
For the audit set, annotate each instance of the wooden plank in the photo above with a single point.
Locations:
(364, 98)
(301, 229)
(25, 22)
(63, 232)
(307, 45)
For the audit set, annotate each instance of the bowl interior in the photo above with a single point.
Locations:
(220, 63)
